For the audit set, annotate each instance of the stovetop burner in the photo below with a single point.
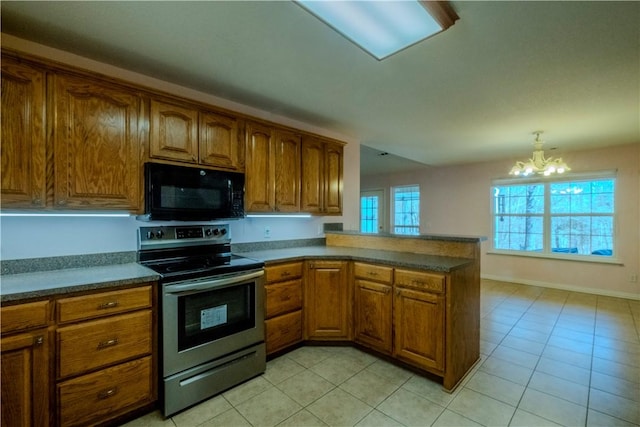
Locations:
(185, 252)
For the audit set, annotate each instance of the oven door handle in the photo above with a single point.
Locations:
(204, 285)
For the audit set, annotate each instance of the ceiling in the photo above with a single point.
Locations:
(475, 92)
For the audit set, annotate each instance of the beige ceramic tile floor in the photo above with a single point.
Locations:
(548, 358)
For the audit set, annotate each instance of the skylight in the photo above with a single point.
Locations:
(382, 28)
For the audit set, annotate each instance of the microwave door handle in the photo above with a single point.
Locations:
(191, 286)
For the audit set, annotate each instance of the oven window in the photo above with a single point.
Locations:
(208, 316)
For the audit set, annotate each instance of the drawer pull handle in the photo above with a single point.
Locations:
(372, 273)
(285, 274)
(108, 343)
(107, 305)
(418, 282)
(105, 394)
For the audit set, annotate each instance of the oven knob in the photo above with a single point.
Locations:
(159, 234)
(223, 231)
(150, 235)
(207, 232)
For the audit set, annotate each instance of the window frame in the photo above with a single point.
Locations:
(547, 217)
(393, 224)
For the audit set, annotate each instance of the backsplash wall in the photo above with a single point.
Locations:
(40, 237)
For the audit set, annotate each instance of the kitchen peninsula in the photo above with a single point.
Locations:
(413, 298)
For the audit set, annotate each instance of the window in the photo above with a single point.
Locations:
(406, 209)
(555, 217)
(371, 211)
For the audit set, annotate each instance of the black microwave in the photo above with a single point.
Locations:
(182, 193)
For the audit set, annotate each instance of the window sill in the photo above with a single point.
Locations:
(559, 257)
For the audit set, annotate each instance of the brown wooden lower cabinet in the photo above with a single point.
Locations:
(283, 306)
(25, 347)
(93, 362)
(101, 395)
(373, 301)
(104, 361)
(25, 379)
(419, 328)
(283, 331)
(327, 302)
(426, 319)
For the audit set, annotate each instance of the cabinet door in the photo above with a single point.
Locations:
(260, 171)
(25, 379)
(218, 141)
(419, 328)
(97, 148)
(312, 182)
(173, 132)
(333, 178)
(373, 322)
(23, 135)
(287, 171)
(327, 301)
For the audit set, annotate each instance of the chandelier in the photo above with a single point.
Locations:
(538, 164)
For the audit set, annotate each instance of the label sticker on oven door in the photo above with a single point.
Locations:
(215, 316)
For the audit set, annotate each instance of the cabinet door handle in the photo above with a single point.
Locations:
(387, 290)
(106, 305)
(105, 394)
(62, 202)
(39, 340)
(36, 201)
(108, 343)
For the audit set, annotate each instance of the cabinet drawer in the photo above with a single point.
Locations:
(283, 297)
(24, 316)
(432, 282)
(104, 394)
(283, 331)
(102, 304)
(102, 342)
(281, 272)
(377, 273)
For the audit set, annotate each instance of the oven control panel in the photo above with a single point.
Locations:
(210, 233)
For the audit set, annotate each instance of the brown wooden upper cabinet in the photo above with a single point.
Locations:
(272, 169)
(322, 174)
(184, 133)
(23, 154)
(97, 145)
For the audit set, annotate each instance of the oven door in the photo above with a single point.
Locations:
(205, 319)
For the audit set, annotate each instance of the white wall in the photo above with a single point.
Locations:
(35, 237)
(456, 200)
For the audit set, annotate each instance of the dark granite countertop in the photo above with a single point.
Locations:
(26, 286)
(40, 284)
(443, 237)
(398, 259)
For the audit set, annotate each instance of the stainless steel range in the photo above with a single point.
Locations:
(212, 311)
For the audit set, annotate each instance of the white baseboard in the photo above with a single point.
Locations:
(604, 292)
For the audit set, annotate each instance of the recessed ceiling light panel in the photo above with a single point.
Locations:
(382, 28)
